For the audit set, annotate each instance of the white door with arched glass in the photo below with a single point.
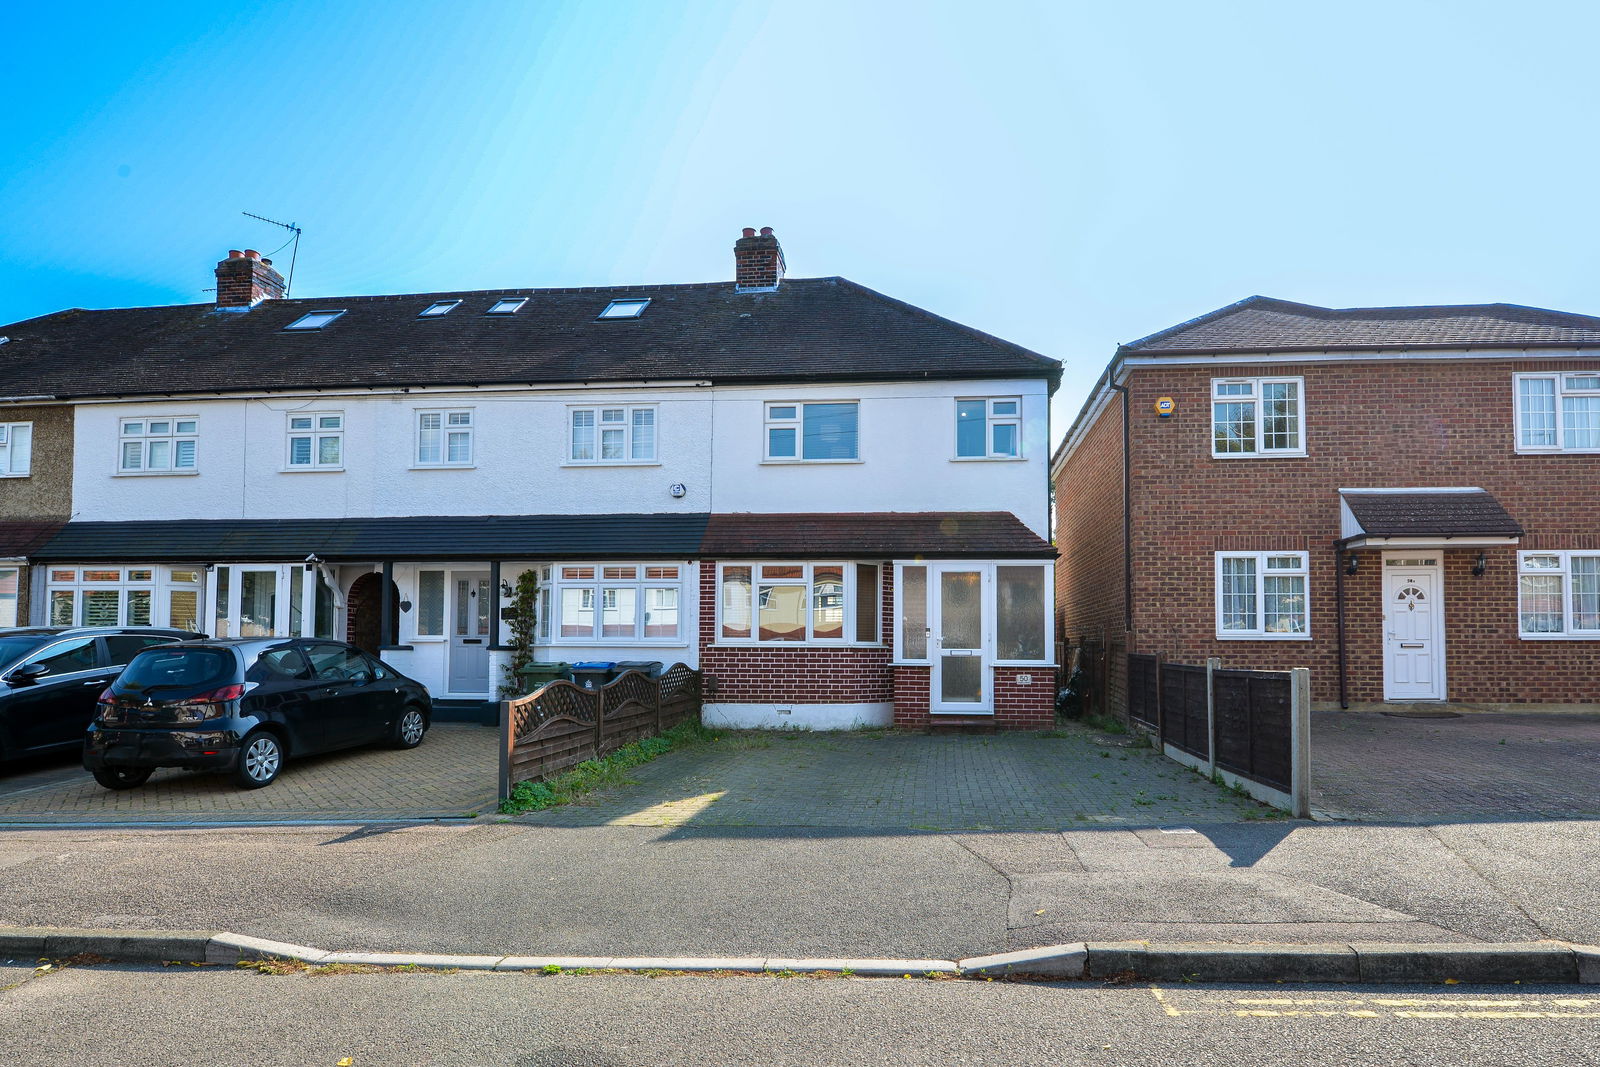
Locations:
(1413, 628)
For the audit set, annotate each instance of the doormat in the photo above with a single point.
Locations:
(1424, 713)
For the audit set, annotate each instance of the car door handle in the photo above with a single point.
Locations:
(96, 681)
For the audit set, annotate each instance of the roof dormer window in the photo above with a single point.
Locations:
(314, 320)
(442, 307)
(508, 306)
(625, 309)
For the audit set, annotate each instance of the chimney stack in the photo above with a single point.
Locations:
(244, 279)
(757, 261)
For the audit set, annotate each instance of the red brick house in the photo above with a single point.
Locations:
(1403, 500)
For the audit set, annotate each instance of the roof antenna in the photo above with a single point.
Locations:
(295, 240)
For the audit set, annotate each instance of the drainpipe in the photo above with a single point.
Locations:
(1338, 600)
(1127, 520)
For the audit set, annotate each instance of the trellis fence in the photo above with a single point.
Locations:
(559, 725)
(1250, 728)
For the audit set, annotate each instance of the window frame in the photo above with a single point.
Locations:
(991, 419)
(797, 423)
(1259, 633)
(13, 598)
(506, 305)
(470, 428)
(598, 426)
(849, 573)
(8, 450)
(552, 583)
(316, 434)
(438, 309)
(1563, 571)
(145, 439)
(332, 317)
(1258, 403)
(638, 303)
(990, 569)
(1558, 378)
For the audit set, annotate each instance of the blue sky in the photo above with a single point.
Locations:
(1065, 175)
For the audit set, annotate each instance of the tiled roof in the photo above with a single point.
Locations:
(982, 534)
(20, 537)
(1466, 513)
(809, 329)
(1260, 323)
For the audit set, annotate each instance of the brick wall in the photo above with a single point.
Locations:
(1367, 424)
(911, 697)
(1024, 707)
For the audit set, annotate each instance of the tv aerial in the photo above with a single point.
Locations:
(293, 229)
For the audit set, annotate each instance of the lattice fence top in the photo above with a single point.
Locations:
(557, 700)
(678, 680)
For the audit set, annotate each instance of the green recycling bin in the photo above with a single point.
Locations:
(535, 675)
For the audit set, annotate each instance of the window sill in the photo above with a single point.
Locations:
(155, 474)
(14, 475)
(808, 462)
(780, 645)
(1260, 455)
(1263, 637)
(1559, 637)
(426, 640)
(443, 466)
(609, 642)
(1558, 451)
(580, 464)
(310, 470)
(989, 459)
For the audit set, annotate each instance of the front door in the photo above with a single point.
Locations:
(1413, 628)
(960, 668)
(469, 633)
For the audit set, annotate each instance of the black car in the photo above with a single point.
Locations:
(244, 705)
(50, 677)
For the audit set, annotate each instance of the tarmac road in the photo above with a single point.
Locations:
(131, 1017)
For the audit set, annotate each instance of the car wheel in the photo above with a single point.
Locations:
(123, 777)
(409, 729)
(260, 760)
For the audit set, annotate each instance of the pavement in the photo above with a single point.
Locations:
(156, 1017)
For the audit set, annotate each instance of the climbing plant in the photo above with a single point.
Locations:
(522, 616)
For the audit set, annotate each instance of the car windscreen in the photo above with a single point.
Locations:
(13, 649)
(178, 669)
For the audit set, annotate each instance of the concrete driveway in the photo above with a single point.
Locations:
(1444, 766)
(450, 775)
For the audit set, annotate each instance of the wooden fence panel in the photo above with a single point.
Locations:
(1143, 688)
(1253, 725)
(1183, 708)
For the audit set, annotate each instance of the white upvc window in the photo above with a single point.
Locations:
(613, 603)
(1558, 595)
(16, 449)
(1257, 417)
(160, 444)
(1558, 411)
(1263, 596)
(116, 595)
(9, 585)
(989, 428)
(612, 434)
(444, 438)
(316, 441)
(812, 432)
(798, 603)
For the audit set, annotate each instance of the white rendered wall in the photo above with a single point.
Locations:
(798, 716)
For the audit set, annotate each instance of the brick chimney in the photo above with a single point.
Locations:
(757, 261)
(244, 279)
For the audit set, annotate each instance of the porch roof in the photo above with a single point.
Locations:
(19, 537)
(887, 535)
(1443, 517)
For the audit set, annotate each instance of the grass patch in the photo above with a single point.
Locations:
(598, 773)
(1105, 724)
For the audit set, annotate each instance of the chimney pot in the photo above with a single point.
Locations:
(749, 231)
(251, 253)
(766, 231)
(234, 253)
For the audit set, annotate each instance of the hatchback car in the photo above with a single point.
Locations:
(51, 675)
(245, 705)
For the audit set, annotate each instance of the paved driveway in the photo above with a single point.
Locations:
(902, 781)
(451, 775)
(1377, 767)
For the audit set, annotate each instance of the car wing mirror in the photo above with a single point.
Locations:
(29, 673)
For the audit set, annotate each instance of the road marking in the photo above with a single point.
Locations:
(1422, 1008)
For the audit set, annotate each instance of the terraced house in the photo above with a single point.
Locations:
(1402, 499)
(831, 501)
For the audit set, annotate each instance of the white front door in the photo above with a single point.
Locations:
(1413, 628)
(469, 633)
(960, 681)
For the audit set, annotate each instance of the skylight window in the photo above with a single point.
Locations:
(509, 306)
(314, 320)
(625, 309)
(433, 311)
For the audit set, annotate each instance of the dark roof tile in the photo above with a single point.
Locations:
(1472, 513)
(949, 534)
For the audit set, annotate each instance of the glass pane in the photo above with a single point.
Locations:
(867, 602)
(102, 576)
(644, 434)
(61, 605)
(961, 609)
(736, 602)
(961, 679)
(577, 613)
(258, 603)
(1005, 439)
(782, 612)
(827, 601)
(324, 608)
(429, 441)
(830, 431)
(611, 444)
(139, 574)
(460, 448)
(330, 422)
(783, 571)
(583, 435)
(187, 577)
(1280, 415)
(1020, 612)
(1586, 592)
(1540, 596)
(186, 426)
(430, 603)
(21, 450)
(459, 418)
(482, 617)
(619, 612)
(618, 574)
(914, 613)
(297, 590)
(160, 455)
(328, 450)
(300, 422)
(1233, 427)
(132, 456)
(99, 607)
(219, 619)
(970, 422)
(463, 604)
(184, 456)
(1283, 604)
(8, 598)
(138, 607)
(1580, 422)
(1536, 412)
(1238, 593)
(780, 442)
(661, 612)
(183, 610)
(78, 655)
(613, 415)
(299, 451)
(785, 411)
(133, 427)
(161, 427)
